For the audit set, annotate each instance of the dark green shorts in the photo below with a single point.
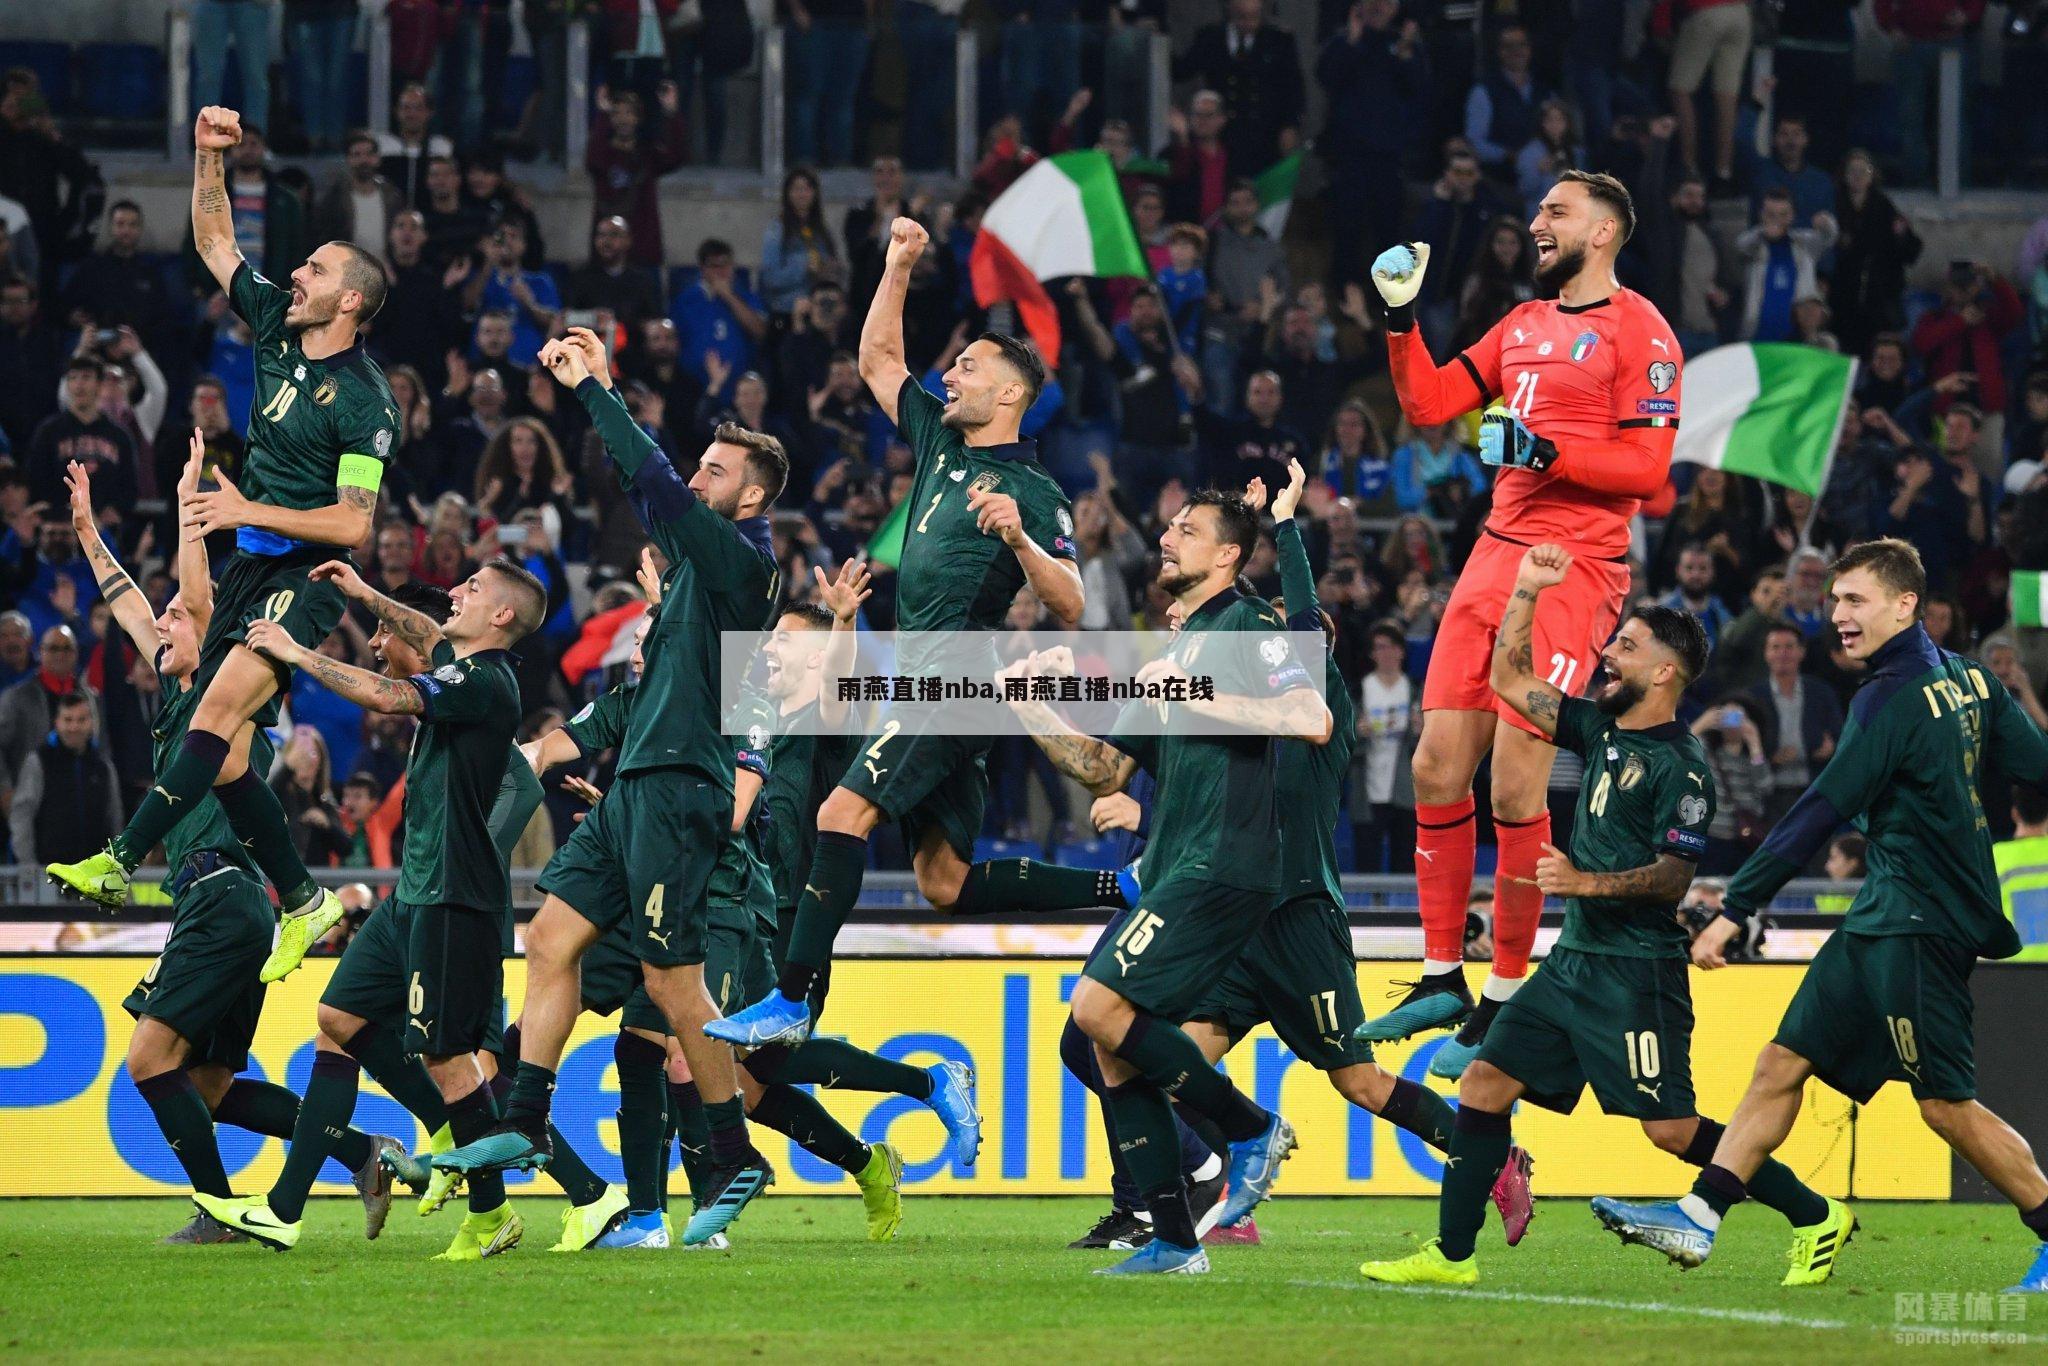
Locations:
(1893, 1007)
(1299, 974)
(925, 782)
(736, 968)
(613, 981)
(375, 981)
(369, 981)
(778, 954)
(644, 856)
(1620, 1025)
(203, 985)
(1182, 938)
(275, 587)
(455, 979)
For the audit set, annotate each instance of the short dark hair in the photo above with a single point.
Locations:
(767, 462)
(530, 595)
(1605, 189)
(2029, 805)
(354, 140)
(711, 248)
(72, 700)
(121, 204)
(1242, 183)
(1856, 847)
(1777, 194)
(85, 362)
(816, 616)
(1774, 571)
(363, 273)
(1236, 523)
(1023, 360)
(424, 598)
(367, 781)
(1785, 628)
(1388, 631)
(1694, 548)
(1680, 633)
(1894, 563)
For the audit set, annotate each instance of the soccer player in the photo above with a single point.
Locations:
(1887, 998)
(196, 1008)
(988, 521)
(648, 849)
(324, 426)
(1209, 877)
(453, 889)
(1585, 392)
(1611, 1008)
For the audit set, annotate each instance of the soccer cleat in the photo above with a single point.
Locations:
(1254, 1167)
(505, 1148)
(2035, 1282)
(203, 1230)
(1243, 1233)
(639, 1229)
(484, 1235)
(732, 1188)
(1120, 1228)
(881, 1190)
(952, 1098)
(1428, 1266)
(583, 1225)
(1127, 882)
(1457, 1053)
(1662, 1227)
(411, 1168)
(1160, 1258)
(373, 1183)
(297, 934)
(772, 1019)
(1206, 1200)
(100, 878)
(1437, 1001)
(1511, 1195)
(1815, 1247)
(250, 1214)
(717, 1242)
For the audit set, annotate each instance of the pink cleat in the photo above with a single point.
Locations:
(1511, 1195)
(1243, 1233)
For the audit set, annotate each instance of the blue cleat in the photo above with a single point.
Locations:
(952, 1099)
(1160, 1258)
(1453, 1058)
(641, 1229)
(1662, 1227)
(1254, 1167)
(2035, 1282)
(731, 1189)
(504, 1148)
(1435, 1001)
(1127, 882)
(772, 1019)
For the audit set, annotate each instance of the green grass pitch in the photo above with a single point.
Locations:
(981, 1281)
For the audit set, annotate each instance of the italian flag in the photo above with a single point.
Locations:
(1064, 216)
(1770, 410)
(2029, 588)
(885, 546)
(1276, 194)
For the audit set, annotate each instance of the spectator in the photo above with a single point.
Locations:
(1111, 554)
(455, 227)
(1314, 379)
(1382, 791)
(1254, 66)
(1200, 169)
(927, 30)
(1246, 267)
(1807, 716)
(1812, 192)
(529, 297)
(1502, 277)
(29, 708)
(827, 42)
(17, 659)
(1883, 382)
(624, 172)
(1846, 862)
(421, 316)
(32, 358)
(67, 801)
(82, 431)
(303, 782)
(1717, 515)
(360, 202)
(1742, 783)
(1920, 31)
(843, 420)
(1739, 665)
(1930, 509)
(1814, 63)
(1779, 260)
(243, 25)
(1806, 580)
(522, 468)
(1712, 36)
(1500, 111)
(391, 571)
(1355, 463)
(657, 363)
(1868, 285)
(1455, 221)
(1256, 446)
(119, 286)
(1430, 458)
(867, 227)
(1695, 591)
(321, 34)
(269, 215)
(19, 254)
(1184, 283)
(805, 347)
(1005, 155)
(797, 250)
(35, 161)
(1688, 265)
(1942, 617)
(207, 412)
(497, 200)
(1376, 81)
(612, 281)
(1964, 336)
(1156, 383)
(1414, 548)
(407, 151)
(718, 316)
(492, 349)
(1557, 146)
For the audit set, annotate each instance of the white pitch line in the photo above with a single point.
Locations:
(1757, 1316)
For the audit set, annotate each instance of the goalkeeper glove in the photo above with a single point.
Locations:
(1397, 274)
(1504, 441)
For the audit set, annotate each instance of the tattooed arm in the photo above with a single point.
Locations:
(370, 691)
(1514, 668)
(1297, 714)
(1662, 883)
(416, 629)
(213, 220)
(117, 590)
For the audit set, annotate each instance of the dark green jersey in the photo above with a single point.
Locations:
(1644, 793)
(601, 724)
(519, 796)
(1905, 773)
(469, 718)
(742, 892)
(803, 768)
(205, 829)
(953, 576)
(1214, 812)
(1312, 777)
(721, 577)
(314, 425)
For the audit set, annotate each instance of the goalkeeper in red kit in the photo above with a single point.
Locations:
(1581, 392)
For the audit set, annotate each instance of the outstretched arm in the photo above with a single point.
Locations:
(882, 367)
(117, 590)
(844, 595)
(213, 219)
(552, 750)
(1661, 882)
(195, 574)
(416, 629)
(345, 522)
(370, 691)
(1097, 765)
(1514, 667)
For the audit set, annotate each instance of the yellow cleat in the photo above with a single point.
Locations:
(297, 934)
(1815, 1247)
(100, 878)
(1426, 1267)
(442, 1184)
(485, 1235)
(583, 1225)
(250, 1214)
(881, 1190)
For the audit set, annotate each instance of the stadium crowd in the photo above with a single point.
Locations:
(1241, 353)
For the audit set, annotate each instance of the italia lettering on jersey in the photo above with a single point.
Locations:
(1587, 373)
